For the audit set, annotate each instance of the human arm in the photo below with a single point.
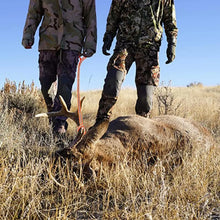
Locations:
(89, 15)
(34, 16)
(171, 30)
(112, 25)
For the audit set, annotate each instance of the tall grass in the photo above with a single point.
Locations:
(31, 189)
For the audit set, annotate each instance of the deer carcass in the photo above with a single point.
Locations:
(135, 136)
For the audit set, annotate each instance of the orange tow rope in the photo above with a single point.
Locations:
(81, 126)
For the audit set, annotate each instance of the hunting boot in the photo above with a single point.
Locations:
(145, 100)
(106, 104)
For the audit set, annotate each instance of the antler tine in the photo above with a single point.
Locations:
(63, 103)
(63, 112)
(81, 101)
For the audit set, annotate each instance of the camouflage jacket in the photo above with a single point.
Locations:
(79, 24)
(140, 22)
(66, 24)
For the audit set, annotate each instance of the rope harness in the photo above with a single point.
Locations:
(81, 128)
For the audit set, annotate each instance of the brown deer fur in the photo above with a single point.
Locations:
(137, 137)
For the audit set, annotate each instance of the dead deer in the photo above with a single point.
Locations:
(133, 135)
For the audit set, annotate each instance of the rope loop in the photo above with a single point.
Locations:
(81, 59)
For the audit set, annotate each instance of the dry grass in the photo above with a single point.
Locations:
(29, 191)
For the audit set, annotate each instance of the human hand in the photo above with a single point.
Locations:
(171, 51)
(87, 52)
(107, 43)
(27, 43)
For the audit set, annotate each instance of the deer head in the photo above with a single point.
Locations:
(81, 150)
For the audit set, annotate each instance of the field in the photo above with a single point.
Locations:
(28, 189)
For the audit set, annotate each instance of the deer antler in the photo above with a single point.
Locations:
(63, 112)
(83, 145)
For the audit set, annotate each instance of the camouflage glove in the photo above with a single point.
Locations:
(87, 52)
(27, 43)
(171, 50)
(108, 38)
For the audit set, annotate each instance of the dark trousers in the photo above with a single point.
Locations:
(61, 66)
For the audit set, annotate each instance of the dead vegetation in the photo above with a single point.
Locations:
(27, 182)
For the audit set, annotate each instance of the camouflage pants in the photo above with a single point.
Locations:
(147, 77)
(59, 65)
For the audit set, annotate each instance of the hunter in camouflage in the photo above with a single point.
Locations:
(137, 25)
(68, 30)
